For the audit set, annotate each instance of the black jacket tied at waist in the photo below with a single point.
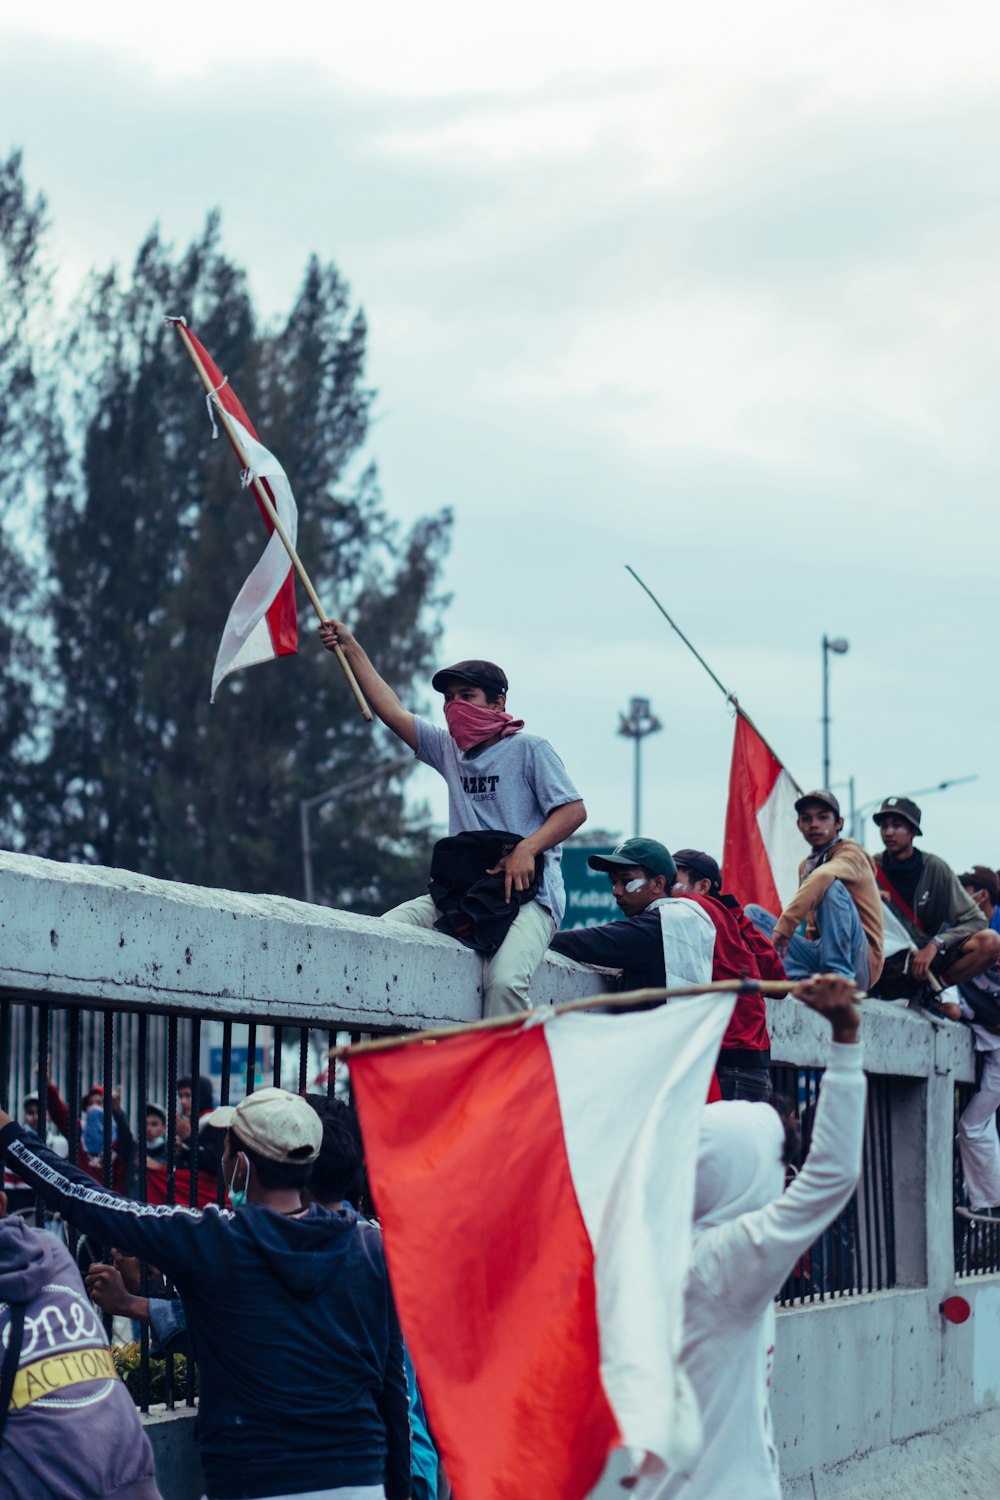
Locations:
(471, 903)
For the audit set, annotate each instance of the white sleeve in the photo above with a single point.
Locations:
(746, 1261)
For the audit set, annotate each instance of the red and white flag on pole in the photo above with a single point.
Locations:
(262, 624)
(763, 847)
(536, 1191)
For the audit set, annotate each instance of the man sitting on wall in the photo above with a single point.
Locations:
(983, 886)
(837, 899)
(499, 778)
(953, 942)
(652, 947)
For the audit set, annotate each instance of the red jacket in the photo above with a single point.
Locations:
(741, 952)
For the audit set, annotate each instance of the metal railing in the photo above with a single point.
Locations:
(857, 1253)
(136, 1059)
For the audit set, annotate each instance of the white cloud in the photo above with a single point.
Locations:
(710, 290)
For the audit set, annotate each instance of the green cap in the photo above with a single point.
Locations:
(654, 857)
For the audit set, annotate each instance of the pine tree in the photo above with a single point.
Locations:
(149, 548)
(24, 423)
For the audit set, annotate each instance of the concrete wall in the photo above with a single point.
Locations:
(86, 933)
(872, 1395)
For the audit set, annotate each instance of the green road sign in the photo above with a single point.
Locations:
(589, 901)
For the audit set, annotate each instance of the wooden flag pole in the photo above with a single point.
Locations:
(776, 988)
(268, 506)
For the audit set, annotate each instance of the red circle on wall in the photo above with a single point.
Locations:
(956, 1309)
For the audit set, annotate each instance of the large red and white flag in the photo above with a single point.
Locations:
(262, 624)
(518, 1176)
(763, 847)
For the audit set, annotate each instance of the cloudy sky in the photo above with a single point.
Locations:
(709, 290)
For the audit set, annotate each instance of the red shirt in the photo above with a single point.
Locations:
(741, 952)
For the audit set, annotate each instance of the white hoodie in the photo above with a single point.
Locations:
(748, 1235)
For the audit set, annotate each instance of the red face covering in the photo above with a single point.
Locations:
(469, 724)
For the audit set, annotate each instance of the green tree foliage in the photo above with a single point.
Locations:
(24, 418)
(150, 539)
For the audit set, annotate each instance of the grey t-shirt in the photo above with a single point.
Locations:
(512, 785)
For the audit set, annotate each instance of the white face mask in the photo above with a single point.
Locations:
(155, 1143)
(238, 1196)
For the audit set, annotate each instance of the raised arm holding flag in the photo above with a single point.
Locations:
(262, 623)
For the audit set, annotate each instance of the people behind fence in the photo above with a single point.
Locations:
(54, 1138)
(90, 1133)
(156, 1133)
(68, 1426)
(951, 938)
(671, 932)
(500, 779)
(300, 1357)
(837, 899)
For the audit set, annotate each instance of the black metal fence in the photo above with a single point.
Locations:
(60, 1053)
(977, 1245)
(118, 1063)
(858, 1252)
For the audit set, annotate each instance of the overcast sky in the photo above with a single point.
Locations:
(711, 290)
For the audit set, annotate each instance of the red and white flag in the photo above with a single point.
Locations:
(519, 1177)
(763, 847)
(262, 624)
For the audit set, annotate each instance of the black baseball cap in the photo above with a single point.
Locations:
(485, 674)
(899, 807)
(654, 857)
(701, 865)
(827, 799)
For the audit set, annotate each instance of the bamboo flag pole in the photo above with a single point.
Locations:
(268, 506)
(729, 697)
(776, 988)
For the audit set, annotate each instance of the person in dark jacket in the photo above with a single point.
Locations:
(71, 1431)
(947, 928)
(288, 1309)
(643, 874)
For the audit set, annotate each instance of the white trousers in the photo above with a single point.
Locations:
(507, 975)
(978, 1140)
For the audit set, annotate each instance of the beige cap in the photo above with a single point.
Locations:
(274, 1123)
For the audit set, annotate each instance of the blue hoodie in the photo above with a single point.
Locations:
(70, 1433)
(292, 1323)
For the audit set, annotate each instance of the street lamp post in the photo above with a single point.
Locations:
(635, 725)
(839, 646)
(920, 791)
(308, 803)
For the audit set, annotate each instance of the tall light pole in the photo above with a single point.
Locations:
(838, 645)
(635, 725)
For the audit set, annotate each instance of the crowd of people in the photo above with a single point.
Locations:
(284, 1297)
(511, 802)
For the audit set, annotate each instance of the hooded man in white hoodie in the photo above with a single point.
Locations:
(748, 1234)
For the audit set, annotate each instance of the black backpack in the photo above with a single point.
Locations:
(471, 903)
